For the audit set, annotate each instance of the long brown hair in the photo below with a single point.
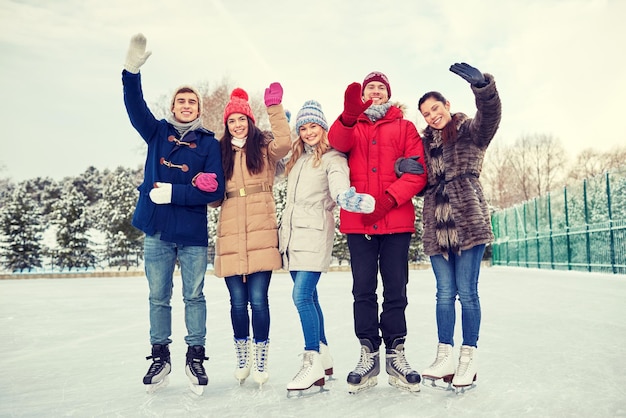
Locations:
(255, 162)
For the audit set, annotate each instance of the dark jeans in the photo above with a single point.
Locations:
(390, 254)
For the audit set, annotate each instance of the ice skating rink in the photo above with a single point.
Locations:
(551, 344)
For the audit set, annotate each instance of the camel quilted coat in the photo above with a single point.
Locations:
(247, 230)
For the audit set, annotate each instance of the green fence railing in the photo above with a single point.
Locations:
(583, 228)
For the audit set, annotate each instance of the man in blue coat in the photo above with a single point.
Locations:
(172, 213)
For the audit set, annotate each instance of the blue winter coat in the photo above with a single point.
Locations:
(184, 221)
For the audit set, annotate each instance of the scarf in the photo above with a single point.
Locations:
(376, 112)
(238, 142)
(183, 127)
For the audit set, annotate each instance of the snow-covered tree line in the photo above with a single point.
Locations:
(84, 222)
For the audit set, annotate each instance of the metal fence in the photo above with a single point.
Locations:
(582, 228)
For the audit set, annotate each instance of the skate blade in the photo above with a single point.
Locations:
(153, 387)
(354, 389)
(460, 390)
(397, 383)
(303, 393)
(434, 383)
(197, 389)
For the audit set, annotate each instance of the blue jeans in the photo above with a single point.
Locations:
(252, 291)
(304, 296)
(160, 262)
(458, 276)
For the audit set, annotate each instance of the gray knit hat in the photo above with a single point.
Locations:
(311, 112)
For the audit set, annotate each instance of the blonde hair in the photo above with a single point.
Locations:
(297, 149)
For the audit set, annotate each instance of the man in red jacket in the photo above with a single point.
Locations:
(374, 135)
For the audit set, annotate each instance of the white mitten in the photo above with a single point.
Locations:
(161, 194)
(137, 54)
(356, 202)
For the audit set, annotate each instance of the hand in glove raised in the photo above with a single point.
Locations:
(137, 54)
(273, 94)
(162, 193)
(207, 182)
(383, 205)
(470, 74)
(408, 165)
(352, 201)
(353, 105)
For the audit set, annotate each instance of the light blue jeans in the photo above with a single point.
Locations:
(252, 291)
(160, 262)
(458, 275)
(305, 298)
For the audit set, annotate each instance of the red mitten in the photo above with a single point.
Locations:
(205, 181)
(353, 105)
(383, 205)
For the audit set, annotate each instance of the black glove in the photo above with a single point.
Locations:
(470, 74)
(409, 165)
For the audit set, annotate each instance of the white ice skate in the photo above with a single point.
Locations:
(311, 375)
(466, 373)
(242, 350)
(327, 361)
(259, 364)
(442, 369)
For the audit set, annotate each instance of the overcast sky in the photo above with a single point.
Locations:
(557, 64)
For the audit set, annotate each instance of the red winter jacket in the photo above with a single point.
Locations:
(372, 149)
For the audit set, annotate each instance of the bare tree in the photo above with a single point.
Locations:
(590, 162)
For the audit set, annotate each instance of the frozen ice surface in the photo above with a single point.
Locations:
(552, 344)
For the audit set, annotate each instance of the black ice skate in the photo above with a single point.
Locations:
(195, 370)
(401, 375)
(364, 374)
(160, 368)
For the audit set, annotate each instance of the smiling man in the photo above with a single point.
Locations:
(173, 214)
(374, 135)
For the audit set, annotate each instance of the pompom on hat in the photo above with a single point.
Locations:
(376, 76)
(311, 112)
(238, 104)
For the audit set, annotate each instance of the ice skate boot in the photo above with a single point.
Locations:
(311, 373)
(259, 363)
(242, 349)
(327, 361)
(195, 370)
(442, 368)
(159, 369)
(401, 375)
(367, 369)
(465, 375)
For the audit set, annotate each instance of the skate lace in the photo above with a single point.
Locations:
(366, 363)
(442, 354)
(261, 356)
(401, 364)
(242, 352)
(464, 361)
(307, 361)
(196, 367)
(157, 364)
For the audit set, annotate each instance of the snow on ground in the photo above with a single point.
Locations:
(552, 344)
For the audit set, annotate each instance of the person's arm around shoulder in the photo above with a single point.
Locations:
(405, 187)
(281, 144)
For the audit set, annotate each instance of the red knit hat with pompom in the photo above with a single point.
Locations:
(238, 104)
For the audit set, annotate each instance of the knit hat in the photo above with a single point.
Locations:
(311, 112)
(238, 104)
(376, 76)
(187, 89)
